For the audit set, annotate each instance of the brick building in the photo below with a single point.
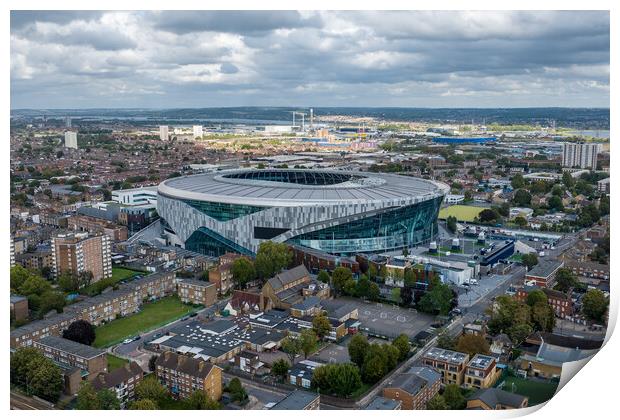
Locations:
(19, 307)
(481, 372)
(89, 360)
(414, 388)
(78, 253)
(121, 381)
(183, 375)
(197, 292)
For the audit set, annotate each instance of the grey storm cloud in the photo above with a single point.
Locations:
(329, 58)
(244, 21)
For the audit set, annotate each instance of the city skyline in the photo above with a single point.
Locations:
(206, 59)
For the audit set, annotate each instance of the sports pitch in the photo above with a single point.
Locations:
(461, 212)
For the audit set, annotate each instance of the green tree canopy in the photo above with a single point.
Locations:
(321, 326)
(243, 272)
(595, 305)
(280, 368)
(272, 258)
(402, 344)
(358, 347)
(472, 344)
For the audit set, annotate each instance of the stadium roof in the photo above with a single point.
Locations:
(292, 187)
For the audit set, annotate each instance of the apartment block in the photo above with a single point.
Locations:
(481, 372)
(89, 360)
(183, 375)
(84, 223)
(71, 140)
(580, 155)
(36, 260)
(122, 381)
(126, 300)
(19, 308)
(79, 253)
(451, 364)
(196, 292)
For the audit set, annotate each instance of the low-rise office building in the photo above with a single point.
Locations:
(543, 273)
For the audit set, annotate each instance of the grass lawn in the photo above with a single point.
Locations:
(119, 273)
(115, 362)
(538, 392)
(152, 315)
(461, 212)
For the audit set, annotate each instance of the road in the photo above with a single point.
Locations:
(23, 402)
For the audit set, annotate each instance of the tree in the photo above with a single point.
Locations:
(150, 389)
(520, 221)
(519, 332)
(568, 180)
(280, 368)
(543, 317)
(108, 400)
(34, 285)
(350, 288)
(392, 355)
(340, 277)
(18, 276)
(143, 405)
(80, 331)
(472, 344)
(438, 300)
(375, 364)
(488, 215)
(565, 280)
(87, 397)
(337, 379)
(308, 342)
(594, 305)
(291, 346)
(451, 223)
(373, 291)
(535, 297)
(445, 340)
(50, 300)
(271, 258)
(437, 403)
(555, 203)
(402, 344)
(522, 198)
(323, 276)
(200, 400)
(36, 373)
(395, 295)
(358, 346)
(453, 397)
(517, 181)
(243, 272)
(47, 381)
(321, 326)
(237, 391)
(529, 260)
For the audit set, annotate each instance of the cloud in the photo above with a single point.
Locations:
(328, 58)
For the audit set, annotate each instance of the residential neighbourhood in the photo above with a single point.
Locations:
(303, 258)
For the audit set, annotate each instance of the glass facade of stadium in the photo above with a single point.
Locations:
(389, 229)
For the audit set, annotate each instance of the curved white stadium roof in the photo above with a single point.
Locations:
(293, 187)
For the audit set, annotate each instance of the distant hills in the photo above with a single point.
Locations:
(592, 118)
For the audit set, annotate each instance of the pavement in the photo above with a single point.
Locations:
(390, 320)
(24, 402)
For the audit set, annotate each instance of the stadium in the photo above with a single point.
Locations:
(342, 213)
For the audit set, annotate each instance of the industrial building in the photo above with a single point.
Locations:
(338, 212)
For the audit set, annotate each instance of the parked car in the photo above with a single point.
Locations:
(127, 340)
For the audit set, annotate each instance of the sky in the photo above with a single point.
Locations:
(177, 59)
